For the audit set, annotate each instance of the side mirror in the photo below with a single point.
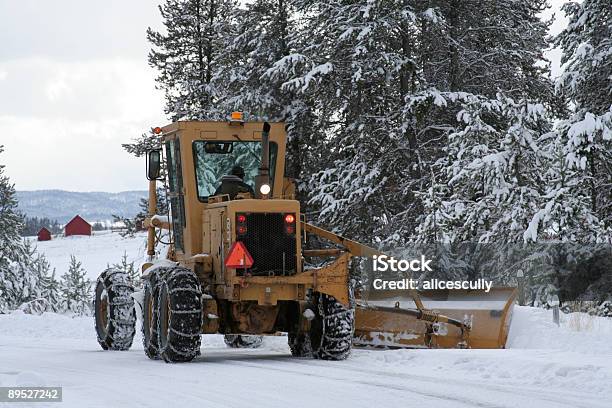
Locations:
(153, 164)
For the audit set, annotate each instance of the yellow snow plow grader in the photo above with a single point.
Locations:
(237, 263)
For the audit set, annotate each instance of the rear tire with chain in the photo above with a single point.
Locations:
(331, 331)
(179, 307)
(114, 311)
(242, 341)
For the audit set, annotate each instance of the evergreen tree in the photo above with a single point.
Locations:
(98, 226)
(584, 175)
(26, 275)
(129, 269)
(489, 183)
(50, 290)
(136, 224)
(483, 47)
(76, 289)
(34, 224)
(43, 291)
(187, 54)
(605, 309)
(141, 145)
(11, 247)
(369, 65)
(129, 228)
(21, 267)
(358, 64)
(258, 61)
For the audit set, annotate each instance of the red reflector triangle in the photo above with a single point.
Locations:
(238, 256)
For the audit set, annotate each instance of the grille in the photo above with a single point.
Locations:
(267, 242)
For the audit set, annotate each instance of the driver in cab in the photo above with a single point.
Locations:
(233, 184)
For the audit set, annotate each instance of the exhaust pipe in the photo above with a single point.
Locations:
(265, 141)
(262, 181)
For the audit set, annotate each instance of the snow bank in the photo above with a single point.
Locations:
(533, 328)
(571, 359)
(46, 326)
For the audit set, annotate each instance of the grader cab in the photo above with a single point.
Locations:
(236, 262)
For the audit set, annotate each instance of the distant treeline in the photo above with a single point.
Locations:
(34, 224)
(31, 226)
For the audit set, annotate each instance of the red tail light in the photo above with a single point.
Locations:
(289, 223)
(241, 227)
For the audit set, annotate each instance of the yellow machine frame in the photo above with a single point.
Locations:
(210, 231)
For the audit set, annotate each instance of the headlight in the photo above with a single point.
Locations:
(264, 189)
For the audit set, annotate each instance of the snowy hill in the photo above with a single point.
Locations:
(94, 252)
(62, 205)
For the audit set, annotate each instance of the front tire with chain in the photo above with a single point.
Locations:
(179, 307)
(114, 311)
(150, 314)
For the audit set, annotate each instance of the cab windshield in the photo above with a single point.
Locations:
(215, 159)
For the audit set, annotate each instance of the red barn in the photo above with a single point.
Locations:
(77, 226)
(44, 234)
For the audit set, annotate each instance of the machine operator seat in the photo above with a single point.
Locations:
(233, 185)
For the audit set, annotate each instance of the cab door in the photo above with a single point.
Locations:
(175, 193)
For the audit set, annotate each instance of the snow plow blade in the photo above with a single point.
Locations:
(390, 319)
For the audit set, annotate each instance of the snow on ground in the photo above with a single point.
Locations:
(94, 252)
(544, 365)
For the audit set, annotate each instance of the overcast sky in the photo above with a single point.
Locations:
(75, 84)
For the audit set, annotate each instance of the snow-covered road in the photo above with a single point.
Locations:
(56, 350)
(544, 366)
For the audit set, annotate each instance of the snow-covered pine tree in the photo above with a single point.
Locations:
(566, 212)
(260, 59)
(358, 64)
(11, 247)
(579, 205)
(263, 37)
(186, 56)
(43, 291)
(76, 289)
(49, 288)
(482, 46)
(483, 60)
(490, 181)
(368, 61)
(141, 145)
(129, 269)
(26, 275)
